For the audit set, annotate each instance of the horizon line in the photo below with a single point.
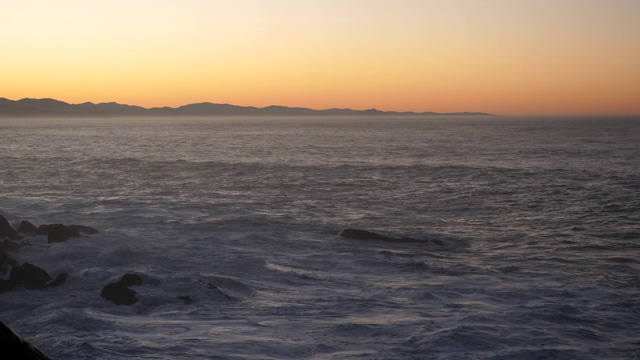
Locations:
(257, 107)
(399, 112)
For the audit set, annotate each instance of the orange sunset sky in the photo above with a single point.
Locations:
(505, 57)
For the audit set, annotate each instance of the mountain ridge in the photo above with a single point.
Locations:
(48, 107)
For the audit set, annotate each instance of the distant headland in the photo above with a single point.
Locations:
(55, 108)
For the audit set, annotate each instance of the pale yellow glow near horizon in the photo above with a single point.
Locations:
(508, 57)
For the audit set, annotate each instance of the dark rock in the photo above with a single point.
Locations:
(56, 237)
(47, 229)
(8, 245)
(119, 292)
(130, 279)
(57, 232)
(62, 277)
(6, 231)
(13, 346)
(5, 285)
(60, 232)
(187, 299)
(26, 227)
(29, 276)
(363, 235)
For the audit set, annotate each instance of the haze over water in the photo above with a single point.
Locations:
(530, 229)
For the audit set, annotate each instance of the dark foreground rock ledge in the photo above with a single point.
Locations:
(13, 346)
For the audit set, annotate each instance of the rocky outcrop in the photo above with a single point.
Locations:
(6, 231)
(119, 292)
(358, 234)
(60, 232)
(30, 277)
(13, 346)
(57, 232)
(26, 227)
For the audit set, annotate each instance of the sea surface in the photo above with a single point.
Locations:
(531, 230)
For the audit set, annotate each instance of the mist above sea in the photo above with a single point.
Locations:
(538, 220)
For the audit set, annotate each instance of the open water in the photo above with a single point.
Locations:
(539, 220)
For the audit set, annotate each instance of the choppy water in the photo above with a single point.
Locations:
(540, 221)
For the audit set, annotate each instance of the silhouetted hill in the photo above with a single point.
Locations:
(55, 108)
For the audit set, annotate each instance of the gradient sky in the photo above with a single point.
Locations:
(507, 57)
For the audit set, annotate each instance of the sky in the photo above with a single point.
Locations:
(496, 56)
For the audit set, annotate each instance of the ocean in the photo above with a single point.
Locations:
(529, 229)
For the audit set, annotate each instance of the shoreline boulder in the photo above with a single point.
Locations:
(119, 292)
(7, 231)
(26, 227)
(30, 277)
(59, 232)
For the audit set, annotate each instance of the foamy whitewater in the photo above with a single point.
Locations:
(539, 220)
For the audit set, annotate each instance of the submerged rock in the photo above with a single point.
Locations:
(13, 346)
(210, 286)
(363, 235)
(119, 292)
(6, 231)
(358, 234)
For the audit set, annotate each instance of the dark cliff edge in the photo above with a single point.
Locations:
(13, 346)
(55, 108)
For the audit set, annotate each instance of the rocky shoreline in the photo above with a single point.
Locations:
(28, 276)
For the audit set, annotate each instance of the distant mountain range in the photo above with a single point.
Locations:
(55, 108)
